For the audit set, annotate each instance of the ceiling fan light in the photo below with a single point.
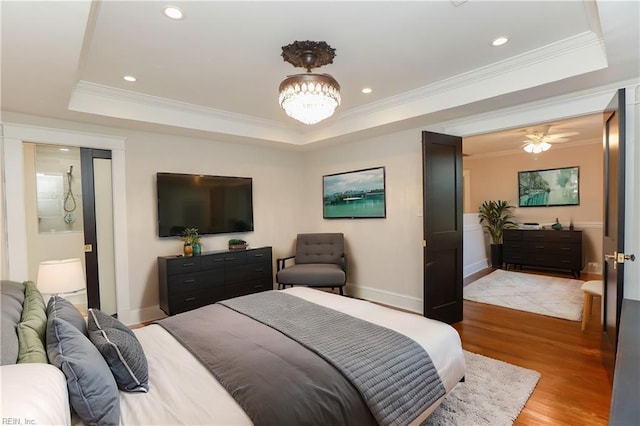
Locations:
(528, 148)
(545, 146)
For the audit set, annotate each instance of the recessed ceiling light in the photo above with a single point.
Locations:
(499, 41)
(130, 78)
(367, 90)
(173, 12)
(64, 149)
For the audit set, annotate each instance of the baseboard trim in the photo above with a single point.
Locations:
(475, 267)
(397, 300)
(139, 316)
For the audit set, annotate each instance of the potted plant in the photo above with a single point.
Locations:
(191, 240)
(496, 217)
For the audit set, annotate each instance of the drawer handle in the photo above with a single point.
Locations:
(258, 255)
(230, 259)
(189, 281)
(218, 260)
(565, 248)
(259, 269)
(540, 247)
(539, 236)
(184, 265)
(189, 299)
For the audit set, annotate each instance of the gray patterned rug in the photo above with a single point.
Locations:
(493, 393)
(540, 294)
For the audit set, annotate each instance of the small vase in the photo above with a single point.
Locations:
(197, 248)
(188, 249)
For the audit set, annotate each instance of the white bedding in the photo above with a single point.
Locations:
(183, 391)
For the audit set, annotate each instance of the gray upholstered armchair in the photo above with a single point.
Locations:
(319, 261)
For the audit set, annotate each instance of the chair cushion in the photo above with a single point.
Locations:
(593, 287)
(319, 248)
(319, 275)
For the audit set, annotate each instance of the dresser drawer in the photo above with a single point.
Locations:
(196, 281)
(552, 247)
(512, 235)
(235, 258)
(194, 299)
(262, 255)
(249, 287)
(553, 236)
(181, 265)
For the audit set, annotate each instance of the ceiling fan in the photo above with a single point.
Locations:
(539, 139)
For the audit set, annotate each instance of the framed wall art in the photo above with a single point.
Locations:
(551, 187)
(354, 195)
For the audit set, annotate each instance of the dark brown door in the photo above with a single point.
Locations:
(87, 155)
(613, 224)
(443, 227)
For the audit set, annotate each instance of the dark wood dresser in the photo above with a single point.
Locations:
(191, 282)
(544, 248)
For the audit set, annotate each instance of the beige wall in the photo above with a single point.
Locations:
(494, 177)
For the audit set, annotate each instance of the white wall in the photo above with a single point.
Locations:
(278, 188)
(385, 255)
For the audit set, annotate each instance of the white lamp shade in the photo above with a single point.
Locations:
(60, 276)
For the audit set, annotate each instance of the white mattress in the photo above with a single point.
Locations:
(183, 391)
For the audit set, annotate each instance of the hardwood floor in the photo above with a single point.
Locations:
(574, 388)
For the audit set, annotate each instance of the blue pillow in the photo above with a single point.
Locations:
(59, 307)
(93, 392)
(121, 349)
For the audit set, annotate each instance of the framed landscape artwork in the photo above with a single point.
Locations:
(551, 187)
(354, 195)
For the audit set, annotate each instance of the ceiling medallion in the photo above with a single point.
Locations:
(309, 98)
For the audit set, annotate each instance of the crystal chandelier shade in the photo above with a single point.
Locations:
(309, 98)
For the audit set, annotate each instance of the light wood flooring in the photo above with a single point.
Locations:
(574, 388)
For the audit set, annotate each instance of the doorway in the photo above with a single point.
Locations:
(68, 198)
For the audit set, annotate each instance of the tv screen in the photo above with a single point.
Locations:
(212, 204)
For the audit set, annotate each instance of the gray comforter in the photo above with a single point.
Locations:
(278, 381)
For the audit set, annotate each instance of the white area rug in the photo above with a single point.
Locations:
(493, 393)
(552, 296)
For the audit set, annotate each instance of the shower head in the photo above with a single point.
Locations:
(70, 171)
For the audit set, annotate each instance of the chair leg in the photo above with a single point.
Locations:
(341, 293)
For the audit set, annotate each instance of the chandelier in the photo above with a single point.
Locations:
(309, 98)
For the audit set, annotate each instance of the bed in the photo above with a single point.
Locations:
(182, 387)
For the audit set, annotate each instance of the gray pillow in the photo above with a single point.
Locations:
(11, 299)
(121, 349)
(93, 392)
(59, 307)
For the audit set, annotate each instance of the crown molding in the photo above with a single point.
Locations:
(572, 56)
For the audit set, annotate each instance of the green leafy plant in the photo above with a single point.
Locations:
(234, 242)
(496, 216)
(191, 236)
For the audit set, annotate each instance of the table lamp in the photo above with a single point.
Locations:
(60, 276)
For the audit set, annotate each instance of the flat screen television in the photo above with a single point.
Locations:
(212, 204)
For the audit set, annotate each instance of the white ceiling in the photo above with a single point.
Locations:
(215, 73)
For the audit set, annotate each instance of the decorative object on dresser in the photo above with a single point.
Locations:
(556, 249)
(235, 244)
(191, 282)
(191, 240)
(496, 217)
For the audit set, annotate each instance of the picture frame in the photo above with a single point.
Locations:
(549, 187)
(360, 194)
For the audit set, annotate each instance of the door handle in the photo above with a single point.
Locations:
(613, 257)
